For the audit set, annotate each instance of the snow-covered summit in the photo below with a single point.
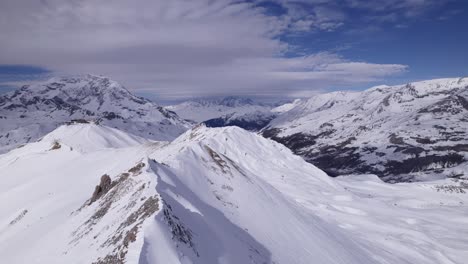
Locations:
(91, 137)
(88, 94)
(83, 85)
(34, 110)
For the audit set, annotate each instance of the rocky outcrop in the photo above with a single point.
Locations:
(101, 189)
(124, 204)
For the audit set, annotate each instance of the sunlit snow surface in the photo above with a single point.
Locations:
(219, 195)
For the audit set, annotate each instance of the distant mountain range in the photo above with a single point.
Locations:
(201, 110)
(415, 131)
(230, 111)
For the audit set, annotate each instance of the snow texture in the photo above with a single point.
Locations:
(88, 193)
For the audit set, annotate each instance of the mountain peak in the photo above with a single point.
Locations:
(76, 87)
(42, 107)
(89, 92)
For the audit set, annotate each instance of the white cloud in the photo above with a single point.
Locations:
(177, 48)
(401, 8)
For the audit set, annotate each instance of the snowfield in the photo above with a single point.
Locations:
(87, 193)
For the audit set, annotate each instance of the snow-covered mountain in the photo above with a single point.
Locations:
(404, 132)
(201, 110)
(88, 193)
(33, 111)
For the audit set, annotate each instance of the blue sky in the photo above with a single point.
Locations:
(12, 75)
(432, 43)
(174, 50)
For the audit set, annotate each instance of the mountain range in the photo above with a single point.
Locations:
(94, 174)
(415, 131)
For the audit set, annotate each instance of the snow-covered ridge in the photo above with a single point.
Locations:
(92, 137)
(398, 132)
(213, 195)
(34, 110)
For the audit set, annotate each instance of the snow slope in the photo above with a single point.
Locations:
(92, 137)
(47, 213)
(223, 186)
(416, 131)
(35, 110)
(213, 195)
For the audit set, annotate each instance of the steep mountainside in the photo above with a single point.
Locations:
(32, 111)
(87, 193)
(405, 132)
(220, 109)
